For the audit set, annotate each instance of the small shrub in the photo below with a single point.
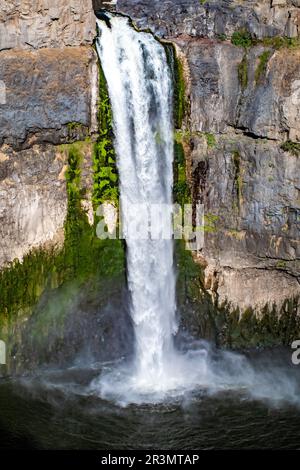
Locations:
(242, 38)
(279, 42)
(262, 65)
(291, 147)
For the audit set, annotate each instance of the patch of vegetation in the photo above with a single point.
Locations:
(74, 125)
(273, 327)
(281, 264)
(291, 147)
(210, 139)
(179, 93)
(243, 72)
(222, 37)
(262, 65)
(77, 130)
(210, 222)
(184, 136)
(106, 181)
(181, 189)
(280, 42)
(242, 38)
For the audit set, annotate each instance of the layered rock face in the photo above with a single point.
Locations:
(212, 18)
(33, 24)
(48, 95)
(242, 137)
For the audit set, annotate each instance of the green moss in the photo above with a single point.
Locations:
(210, 139)
(179, 94)
(291, 147)
(262, 65)
(179, 90)
(246, 329)
(182, 137)
(106, 185)
(210, 222)
(243, 72)
(181, 189)
(242, 38)
(77, 130)
(280, 42)
(190, 275)
(281, 264)
(74, 125)
(22, 283)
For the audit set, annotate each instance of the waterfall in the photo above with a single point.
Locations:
(140, 89)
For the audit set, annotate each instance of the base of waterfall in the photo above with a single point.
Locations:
(58, 409)
(199, 370)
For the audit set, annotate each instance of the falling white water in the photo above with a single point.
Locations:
(140, 90)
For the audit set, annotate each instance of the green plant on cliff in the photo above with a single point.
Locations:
(179, 92)
(104, 157)
(291, 147)
(73, 125)
(181, 189)
(280, 42)
(210, 139)
(262, 65)
(210, 222)
(242, 38)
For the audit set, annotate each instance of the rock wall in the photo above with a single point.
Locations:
(242, 133)
(48, 97)
(33, 24)
(213, 18)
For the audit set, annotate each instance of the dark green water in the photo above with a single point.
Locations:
(54, 411)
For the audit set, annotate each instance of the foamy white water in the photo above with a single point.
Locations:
(140, 89)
